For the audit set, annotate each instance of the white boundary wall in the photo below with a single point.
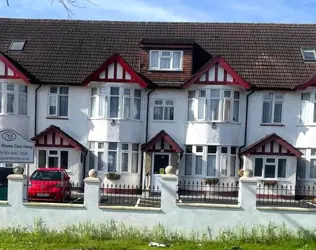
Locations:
(15, 212)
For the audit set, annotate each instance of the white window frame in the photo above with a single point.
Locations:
(123, 151)
(48, 155)
(207, 100)
(171, 60)
(311, 109)
(103, 96)
(276, 164)
(274, 101)
(308, 157)
(218, 161)
(16, 92)
(308, 50)
(94, 149)
(57, 95)
(163, 105)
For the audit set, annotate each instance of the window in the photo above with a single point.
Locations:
(163, 110)
(272, 107)
(213, 105)
(53, 159)
(17, 45)
(165, 60)
(13, 99)
(114, 157)
(308, 54)
(308, 108)
(58, 101)
(270, 168)
(116, 102)
(210, 161)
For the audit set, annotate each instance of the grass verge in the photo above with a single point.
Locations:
(118, 236)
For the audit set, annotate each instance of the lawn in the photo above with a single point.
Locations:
(117, 236)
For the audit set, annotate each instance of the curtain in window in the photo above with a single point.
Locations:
(114, 106)
(134, 162)
(63, 106)
(301, 168)
(258, 167)
(10, 102)
(154, 55)
(53, 105)
(112, 161)
(158, 113)
(211, 165)
(281, 168)
(214, 109)
(100, 161)
(233, 165)
(198, 165)
(137, 103)
(312, 173)
(191, 110)
(168, 115)
(305, 112)
(22, 104)
(188, 164)
(101, 106)
(127, 107)
(124, 163)
(227, 109)
(201, 108)
(91, 160)
(224, 163)
(314, 113)
(176, 60)
(236, 111)
(165, 63)
(277, 112)
(267, 112)
(94, 110)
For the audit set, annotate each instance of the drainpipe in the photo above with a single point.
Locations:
(146, 139)
(246, 127)
(35, 109)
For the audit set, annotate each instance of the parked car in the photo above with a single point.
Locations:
(50, 184)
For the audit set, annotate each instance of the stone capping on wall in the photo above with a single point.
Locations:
(16, 177)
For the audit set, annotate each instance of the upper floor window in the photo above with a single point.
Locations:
(58, 101)
(165, 60)
(272, 107)
(213, 105)
(210, 161)
(116, 102)
(13, 99)
(308, 108)
(309, 54)
(163, 110)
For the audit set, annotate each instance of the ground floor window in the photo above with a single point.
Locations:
(306, 165)
(6, 165)
(52, 158)
(210, 161)
(114, 157)
(270, 168)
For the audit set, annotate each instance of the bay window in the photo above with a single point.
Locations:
(163, 110)
(308, 110)
(269, 168)
(210, 161)
(114, 157)
(58, 101)
(272, 107)
(13, 99)
(165, 60)
(213, 105)
(116, 102)
(306, 165)
(52, 158)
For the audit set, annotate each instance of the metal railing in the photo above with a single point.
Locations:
(279, 195)
(201, 192)
(130, 195)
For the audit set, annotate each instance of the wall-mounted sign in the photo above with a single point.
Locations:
(14, 148)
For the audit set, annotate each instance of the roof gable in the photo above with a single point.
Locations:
(9, 71)
(160, 139)
(271, 144)
(115, 69)
(54, 137)
(217, 71)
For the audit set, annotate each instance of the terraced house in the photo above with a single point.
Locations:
(133, 97)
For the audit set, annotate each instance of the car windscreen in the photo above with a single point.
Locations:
(46, 175)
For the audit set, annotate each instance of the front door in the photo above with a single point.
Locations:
(159, 163)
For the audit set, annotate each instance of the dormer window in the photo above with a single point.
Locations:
(309, 54)
(165, 60)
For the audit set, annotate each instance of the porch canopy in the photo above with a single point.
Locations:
(162, 142)
(271, 144)
(54, 137)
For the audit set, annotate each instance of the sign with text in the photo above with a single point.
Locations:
(14, 148)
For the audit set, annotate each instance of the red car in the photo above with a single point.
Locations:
(49, 184)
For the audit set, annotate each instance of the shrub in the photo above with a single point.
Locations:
(113, 176)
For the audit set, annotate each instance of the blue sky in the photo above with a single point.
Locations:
(279, 11)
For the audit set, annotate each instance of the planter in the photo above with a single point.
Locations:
(113, 176)
(211, 181)
(269, 183)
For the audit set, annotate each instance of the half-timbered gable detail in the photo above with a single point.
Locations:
(217, 71)
(54, 137)
(162, 142)
(115, 69)
(9, 71)
(271, 144)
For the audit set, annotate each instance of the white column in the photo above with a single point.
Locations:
(91, 192)
(169, 187)
(247, 193)
(16, 189)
